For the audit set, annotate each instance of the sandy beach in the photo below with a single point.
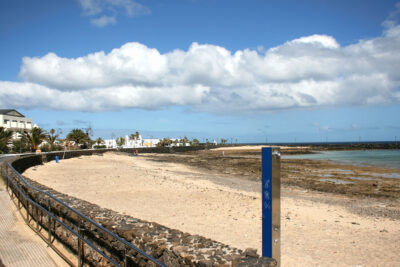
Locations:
(318, 228)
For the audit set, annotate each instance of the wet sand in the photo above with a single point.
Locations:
(222, 202)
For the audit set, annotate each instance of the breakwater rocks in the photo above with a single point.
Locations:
(170, 246)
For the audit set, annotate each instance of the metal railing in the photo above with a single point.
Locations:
(32, 208)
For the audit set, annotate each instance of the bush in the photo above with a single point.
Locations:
(3, 148)
(45, 148)
(18, 146)
(58, 147)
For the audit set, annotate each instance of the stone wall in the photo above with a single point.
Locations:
(170, 246)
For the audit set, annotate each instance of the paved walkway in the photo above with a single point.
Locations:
(19, 245)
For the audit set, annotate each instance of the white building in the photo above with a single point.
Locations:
(15, 122)
(150, 142)
(133, 143)
(136, 142)
(110, 143)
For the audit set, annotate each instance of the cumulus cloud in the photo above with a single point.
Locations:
(307, 72)
(33, 95)
(105, 11)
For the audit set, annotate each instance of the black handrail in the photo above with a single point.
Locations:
(58, 220)
(85, 218)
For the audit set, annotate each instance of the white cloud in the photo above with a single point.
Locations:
(32, 95)
(103, 21)
(109, 9)
(307, 72)
(316, 39)
(133, 63)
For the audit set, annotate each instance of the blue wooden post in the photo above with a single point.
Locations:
(57, 158)
(266, 202)
(270, 203)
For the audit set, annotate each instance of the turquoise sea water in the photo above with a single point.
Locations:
(388, 158)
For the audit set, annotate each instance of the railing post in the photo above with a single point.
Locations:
(19, 201)
(80, 245)
(49, 219)
(126, 257)
(27, 211)
(37, 217)
(7, 180)
(271, 203)
(12, 192)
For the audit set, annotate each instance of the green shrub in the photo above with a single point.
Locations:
(45, 148)
(18, 146)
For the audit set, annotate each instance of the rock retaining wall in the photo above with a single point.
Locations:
(170, 246)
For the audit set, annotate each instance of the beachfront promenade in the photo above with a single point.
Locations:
(19, 246)
(155, 238)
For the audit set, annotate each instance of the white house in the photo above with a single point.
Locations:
(129, 143)
(133, 143)
(15, 122)
(110, 143)
(150, 142)
(136, 142)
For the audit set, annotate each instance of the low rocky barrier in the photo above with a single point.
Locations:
(170, 246)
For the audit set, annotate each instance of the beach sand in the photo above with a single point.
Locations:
(318, 229)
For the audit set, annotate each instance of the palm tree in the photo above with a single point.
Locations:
(120, 141)
(195, 142)
(165, 142)
(185, 140)
(134, 136)
(78, 136)
(51, 138)
(99, 141)
(5, 137)
(34, 138)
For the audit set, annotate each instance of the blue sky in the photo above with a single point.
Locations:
(251, 71)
